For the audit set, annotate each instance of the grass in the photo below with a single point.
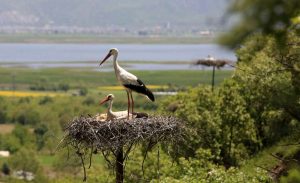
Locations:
(86, 38)
(46, 160)
(24, 77)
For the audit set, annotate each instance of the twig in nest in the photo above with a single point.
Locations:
(85, 133)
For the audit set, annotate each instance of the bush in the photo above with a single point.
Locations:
(27, 116)
(45, 100)
(293, 176)
(89, 101)
(83, 91)
(5, 169)
(67, 161)
(11, 143)
(40, 132)
(64, 87)
(25, 160)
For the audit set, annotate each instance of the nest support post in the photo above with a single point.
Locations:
(119, 165)
(119, 136)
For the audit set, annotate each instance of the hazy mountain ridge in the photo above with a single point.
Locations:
(101, 13)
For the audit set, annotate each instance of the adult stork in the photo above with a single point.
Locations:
(128, 80)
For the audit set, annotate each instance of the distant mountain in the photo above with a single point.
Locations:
(129, 14)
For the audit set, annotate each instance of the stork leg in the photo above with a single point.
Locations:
(128, 104)
(132, 103)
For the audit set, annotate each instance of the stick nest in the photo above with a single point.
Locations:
(110, 135)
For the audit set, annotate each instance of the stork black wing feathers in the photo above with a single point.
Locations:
(141, 88)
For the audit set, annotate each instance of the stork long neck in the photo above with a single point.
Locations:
(115, 62)
(110, 106)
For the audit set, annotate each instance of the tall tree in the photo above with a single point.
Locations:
(269, 17)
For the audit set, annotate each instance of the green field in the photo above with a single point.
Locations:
(24, 77)
(85, 38)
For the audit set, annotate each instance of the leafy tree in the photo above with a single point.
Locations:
(238, 128)
(22, 133)
(27, 116)
(198, 107)
(268, 17)
(25, 160)
(10, 143)
(269, 75)
(40, 132)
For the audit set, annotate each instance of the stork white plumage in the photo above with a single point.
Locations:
(111, 114)
(128, 80)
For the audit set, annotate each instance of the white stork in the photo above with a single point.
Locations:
(128, 80)
(110, 115)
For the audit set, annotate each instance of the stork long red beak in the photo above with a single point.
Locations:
(107, 56)
(104, 100)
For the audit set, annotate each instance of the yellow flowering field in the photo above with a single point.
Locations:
(27, 94)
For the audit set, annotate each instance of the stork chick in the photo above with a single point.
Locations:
(110, 114)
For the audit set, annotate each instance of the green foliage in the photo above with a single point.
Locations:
(269, 83)
(3, 111)
(22, 133)
(45, 100)
(293, 176)
(238, 129)
(268, 17)
(27, 116)
(217, 121)
(40, 132)
(83, 91)
(198, 108)
(251, 111)
(64, 87)
(25, 160)
(89, 101)
(201, 168)
(67, 161)
(10, 143)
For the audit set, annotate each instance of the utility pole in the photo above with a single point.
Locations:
(213, 79)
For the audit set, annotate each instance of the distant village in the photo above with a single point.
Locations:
(13, 22)
(110, 30)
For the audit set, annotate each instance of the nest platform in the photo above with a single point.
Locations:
(89, 135)
(110, 135)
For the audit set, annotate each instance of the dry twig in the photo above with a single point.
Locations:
(87, 133)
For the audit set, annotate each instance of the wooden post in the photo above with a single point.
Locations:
(213, 79)
(119, 165)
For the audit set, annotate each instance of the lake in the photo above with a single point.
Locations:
(84, 55)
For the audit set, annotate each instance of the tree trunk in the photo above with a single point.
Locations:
(119, 166)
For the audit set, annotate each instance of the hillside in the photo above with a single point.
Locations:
(176, 14)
